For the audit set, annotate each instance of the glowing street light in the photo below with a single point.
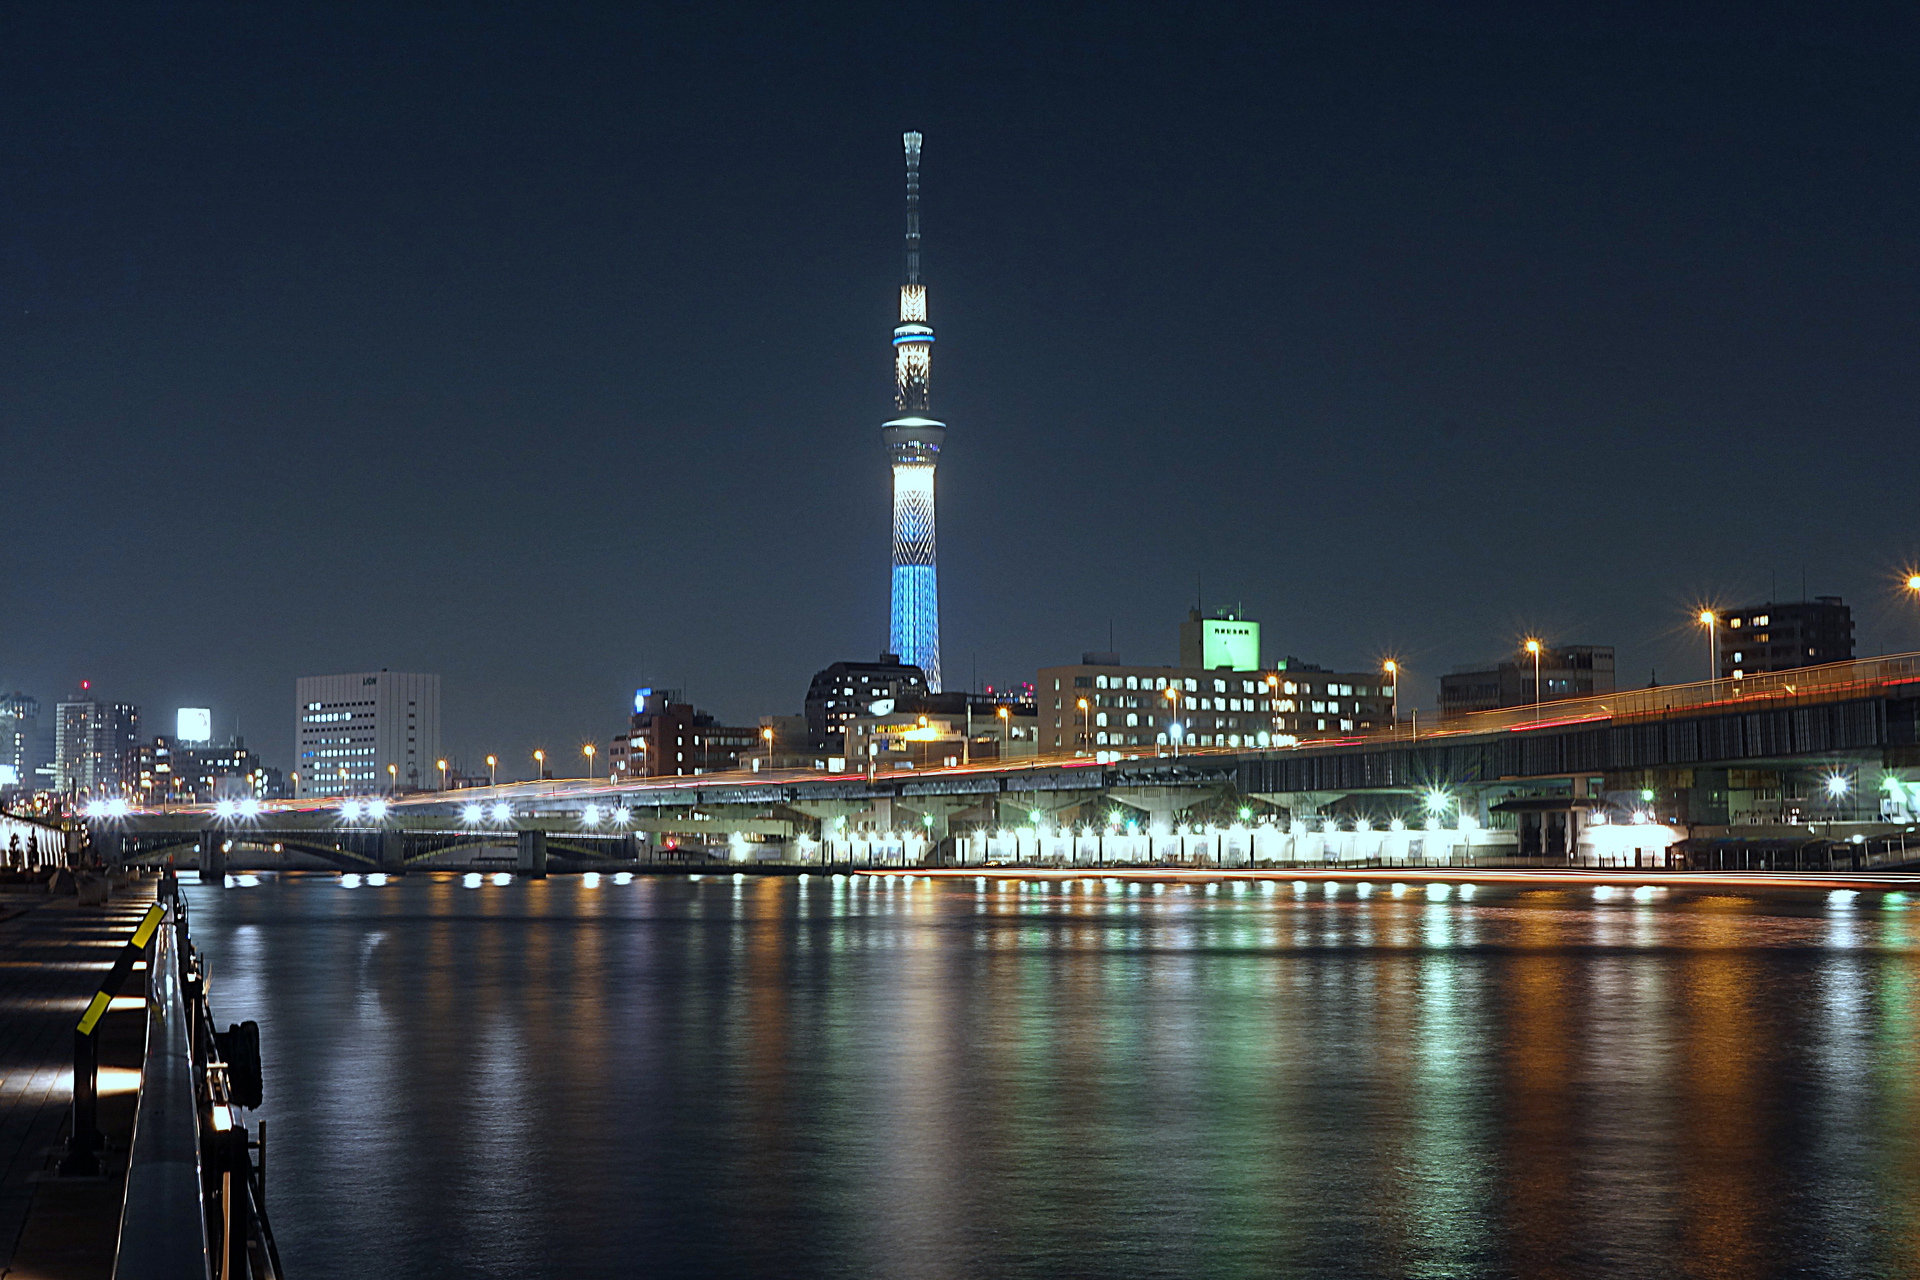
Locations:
(493, 763)
(1392, 669)
(1086, 728)
(1173, 716)
(502, 813)
(471, 814)
(588, 752)
(540, 763)
(443, 773)
(1708, 620)
(1837, 785)
(766, 736)
(1438, 801)
(393, 777)
(1533, 647)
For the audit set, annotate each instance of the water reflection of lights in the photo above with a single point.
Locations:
(350, 881)
(472, 879)
(502, 878)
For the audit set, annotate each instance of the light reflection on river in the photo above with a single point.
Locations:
(904, 1078)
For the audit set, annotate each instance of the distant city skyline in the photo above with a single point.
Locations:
(1409, 334)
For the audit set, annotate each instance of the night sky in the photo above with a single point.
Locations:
(547, 350)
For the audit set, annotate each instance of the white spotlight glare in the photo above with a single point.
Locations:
(250, 807)
(351, 811)
(225, 809)
(470, 814)
(376, 809)
(622, 816)
(503, 812)
(591, 815)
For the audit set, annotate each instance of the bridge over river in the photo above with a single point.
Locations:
(1818, 757)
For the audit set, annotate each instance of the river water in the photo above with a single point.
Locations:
(831, 1076)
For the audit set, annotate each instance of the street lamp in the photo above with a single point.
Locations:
(1006, 725)
(1709, 621)
(1533, 647)
(1173, 716)
(766, 735)
(1273, 703)
(1392, 669)
(493, 763)
(443, 773)
(1086, 728)
(393, 778)
(540, 763)
(588, 751)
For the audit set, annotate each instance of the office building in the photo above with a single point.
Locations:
(170, 771)
(1566, 671)
(1226, 641)
(913, 439)
(847, 689)
(93, 745)
(1781, 637)
(366, 733)
(1134, 707)
(668, 736)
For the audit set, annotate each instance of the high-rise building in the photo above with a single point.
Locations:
(94, 744)
(1781, 637)
(369, 732)
(913, 438)
(19, 741)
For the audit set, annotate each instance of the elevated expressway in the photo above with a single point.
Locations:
(1763, 752)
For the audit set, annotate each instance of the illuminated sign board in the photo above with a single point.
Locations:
(193, 724)
(1233, 644)
(640, 697)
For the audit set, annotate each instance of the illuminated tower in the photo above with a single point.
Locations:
(913, 442)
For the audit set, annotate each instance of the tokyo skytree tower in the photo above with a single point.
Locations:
(913, 442)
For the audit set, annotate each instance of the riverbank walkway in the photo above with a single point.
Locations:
(53, 954)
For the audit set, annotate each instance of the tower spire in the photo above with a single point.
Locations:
(913, 442)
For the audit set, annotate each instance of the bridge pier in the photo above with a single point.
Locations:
(393, 853)
(213, 857)
(533, 855)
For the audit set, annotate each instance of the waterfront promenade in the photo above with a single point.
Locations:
(53, 954)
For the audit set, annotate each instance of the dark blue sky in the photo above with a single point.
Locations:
(548, 350)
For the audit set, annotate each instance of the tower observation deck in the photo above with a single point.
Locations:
(913, 438)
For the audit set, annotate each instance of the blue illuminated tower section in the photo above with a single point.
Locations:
(913, 441)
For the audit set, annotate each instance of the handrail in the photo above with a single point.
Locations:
(163, 1227)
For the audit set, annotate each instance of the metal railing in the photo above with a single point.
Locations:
(195, 1204)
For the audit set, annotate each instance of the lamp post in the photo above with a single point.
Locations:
(393, 779)
(1273, 705)
(1086, 729)
(1533, 647)
(540, 765)
(588, 752)
(1392, 669)
(443, 773)
(1709, 621)
(493, 763)
(766, 735)
(1173, 719)
(1006, 724)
